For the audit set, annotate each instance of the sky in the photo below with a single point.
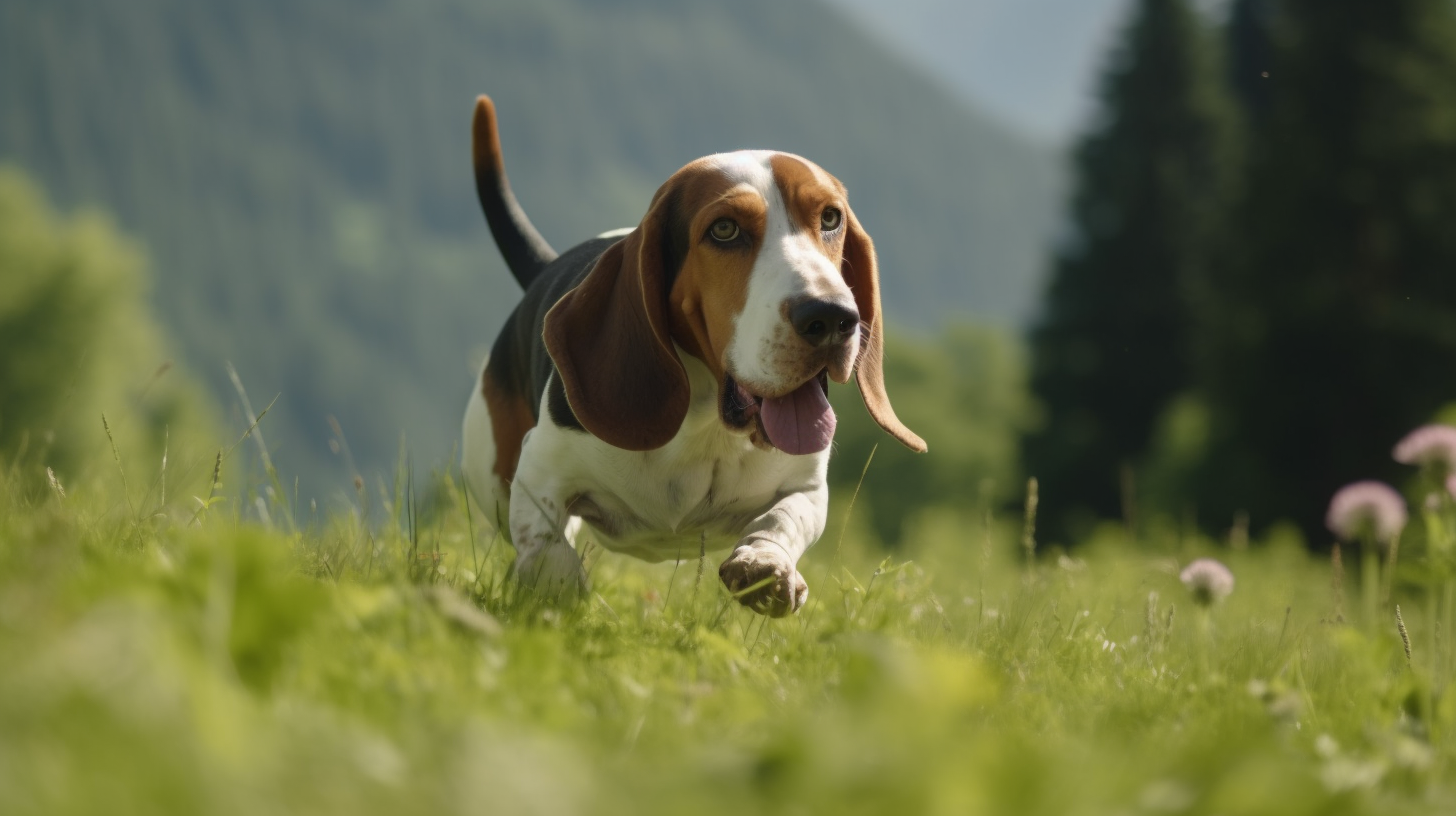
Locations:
(1031, 63)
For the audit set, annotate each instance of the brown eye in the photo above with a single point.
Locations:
(830, 219)
(723, 230)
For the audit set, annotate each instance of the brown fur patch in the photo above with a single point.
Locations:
(510, 419)
(807, 191)
(712, 285)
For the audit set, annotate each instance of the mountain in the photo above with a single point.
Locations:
(1033, 62)
(300, 172)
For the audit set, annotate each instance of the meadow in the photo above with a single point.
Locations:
(171, 649)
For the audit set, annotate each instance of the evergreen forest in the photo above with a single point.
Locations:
(1258, 291)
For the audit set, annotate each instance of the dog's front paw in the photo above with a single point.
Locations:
(763, 579)
(554, 572)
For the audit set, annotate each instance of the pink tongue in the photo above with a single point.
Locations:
(801, 422)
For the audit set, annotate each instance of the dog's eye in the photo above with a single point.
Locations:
(724, 230)
(830, 219)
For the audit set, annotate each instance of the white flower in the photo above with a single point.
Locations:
(1362, 507)
(1429, 446)
(1208, 580)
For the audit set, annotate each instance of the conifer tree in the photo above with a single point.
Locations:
(1115, 340)
(1341, 323)
(1251, 57)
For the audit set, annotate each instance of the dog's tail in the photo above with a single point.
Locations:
(525, 251)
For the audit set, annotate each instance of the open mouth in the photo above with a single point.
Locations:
(799, 422)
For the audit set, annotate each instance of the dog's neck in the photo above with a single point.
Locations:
(704, 421)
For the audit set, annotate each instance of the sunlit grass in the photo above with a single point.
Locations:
(170, 657)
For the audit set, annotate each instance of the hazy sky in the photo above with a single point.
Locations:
(1033, 63)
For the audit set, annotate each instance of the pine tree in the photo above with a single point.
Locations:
(1251, 57)
(1341, 323)
(1115, 342)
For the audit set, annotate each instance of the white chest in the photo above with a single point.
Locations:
(660, 504)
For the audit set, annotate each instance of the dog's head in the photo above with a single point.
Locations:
(753, 263)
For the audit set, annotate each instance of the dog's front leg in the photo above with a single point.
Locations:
(765, 560)
(542, 533)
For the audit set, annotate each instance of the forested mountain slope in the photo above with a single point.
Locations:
(300, 171)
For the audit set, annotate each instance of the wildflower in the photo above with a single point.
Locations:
(1366, 507)
(1208, 580)
(1428, 446)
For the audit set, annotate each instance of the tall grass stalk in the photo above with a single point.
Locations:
(1337, 583)
(1370, 582)
(1028, 527)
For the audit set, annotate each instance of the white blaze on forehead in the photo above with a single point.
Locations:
(790, 265)
(749, 167)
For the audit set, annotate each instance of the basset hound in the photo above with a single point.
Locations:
(667, 384)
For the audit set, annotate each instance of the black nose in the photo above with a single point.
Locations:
(824, 323)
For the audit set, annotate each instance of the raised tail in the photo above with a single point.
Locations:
(525, 251)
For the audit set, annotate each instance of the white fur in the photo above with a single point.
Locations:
(789, 265)
(705, 481)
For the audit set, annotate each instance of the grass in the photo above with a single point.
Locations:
(161, 658)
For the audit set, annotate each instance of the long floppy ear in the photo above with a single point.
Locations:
(610, 340)
(862, 274)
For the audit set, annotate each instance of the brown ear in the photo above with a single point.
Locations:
(862, 274)
(610, 341)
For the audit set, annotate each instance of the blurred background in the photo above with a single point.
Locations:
(1188, 263)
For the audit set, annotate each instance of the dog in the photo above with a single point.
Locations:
(666, 385)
